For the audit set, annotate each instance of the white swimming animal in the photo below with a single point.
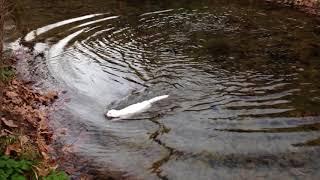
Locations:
(134, 108)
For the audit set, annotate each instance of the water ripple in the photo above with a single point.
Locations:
(229, 88)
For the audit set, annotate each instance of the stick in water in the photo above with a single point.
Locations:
(134, 108)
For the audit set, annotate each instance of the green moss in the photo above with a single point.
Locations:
(6, 73)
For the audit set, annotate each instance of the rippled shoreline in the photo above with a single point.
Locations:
(242, 82)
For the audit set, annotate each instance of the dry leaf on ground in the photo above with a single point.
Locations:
(9, 123)
(23, 139)
(43, 171)
(11, 94)
(12, 147)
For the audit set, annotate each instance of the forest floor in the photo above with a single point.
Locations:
(25, 136)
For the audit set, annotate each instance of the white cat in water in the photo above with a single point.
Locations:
(134, 108)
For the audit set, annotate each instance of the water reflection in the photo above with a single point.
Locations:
(237, 97)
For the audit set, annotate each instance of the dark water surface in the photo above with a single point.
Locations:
(243, 80)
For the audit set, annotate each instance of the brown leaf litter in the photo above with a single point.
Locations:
(23, 114)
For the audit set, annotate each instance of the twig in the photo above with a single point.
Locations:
(35, 173)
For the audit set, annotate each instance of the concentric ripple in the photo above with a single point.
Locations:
(239, 87)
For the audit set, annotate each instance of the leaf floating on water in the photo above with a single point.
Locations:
(67, 148)
(52, 95)
(8, 123)
(62, 131)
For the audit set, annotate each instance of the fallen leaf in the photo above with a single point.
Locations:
(70, 169)
(41, 115)
(11, 94)
(52, 95)
(23, 139)
(45, 155)
(12, 147)
(47, 98)
(7, 131)
(43, 147)
(3, 133)
(43, 125)
(14, 82)
(85, 177)
(67, 148)
(43, 171)
(62, 131)
(8, 123)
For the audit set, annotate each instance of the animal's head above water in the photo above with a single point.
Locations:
(113, 113)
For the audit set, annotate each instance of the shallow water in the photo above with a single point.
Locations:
(242, 78)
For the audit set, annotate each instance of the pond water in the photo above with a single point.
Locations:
(243, 79)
